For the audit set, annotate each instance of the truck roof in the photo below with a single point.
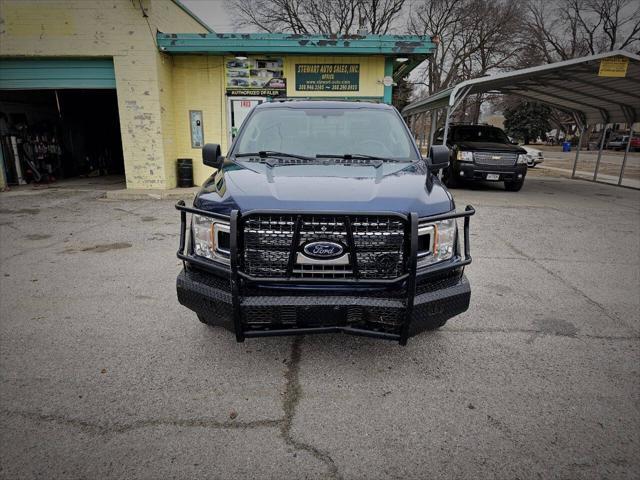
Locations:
(310, 104)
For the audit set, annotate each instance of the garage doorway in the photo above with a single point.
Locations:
(51, 135)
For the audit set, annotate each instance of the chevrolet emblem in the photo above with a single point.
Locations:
(496, 157)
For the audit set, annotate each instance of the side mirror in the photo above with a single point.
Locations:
(439, 155)
(212, 156)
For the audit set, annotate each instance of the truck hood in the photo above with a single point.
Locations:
(489, 147)
(392, 187)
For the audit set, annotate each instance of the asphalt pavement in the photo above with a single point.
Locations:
(104, 375)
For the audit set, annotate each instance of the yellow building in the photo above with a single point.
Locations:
(104, 82)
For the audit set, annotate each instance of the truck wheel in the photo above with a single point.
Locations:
(513, 186)
(425, 325)
(449, 178)
(435, 324)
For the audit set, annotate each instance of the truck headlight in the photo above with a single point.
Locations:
(211, 238)
(464, 156)
(436, 241)
(522, 159)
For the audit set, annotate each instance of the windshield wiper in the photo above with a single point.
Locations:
(267, 156)
(378, 161)
(273, 154)
(355, 156)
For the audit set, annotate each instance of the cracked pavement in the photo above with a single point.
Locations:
(104, 375)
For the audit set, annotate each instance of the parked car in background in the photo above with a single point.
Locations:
(635, 143)
(534, 156)
(618, 143)
(483, 152)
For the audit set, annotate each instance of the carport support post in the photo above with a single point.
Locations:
(432, 127)
(412, 125)
(604, 135)
(626, 152)
(446, 126)
(423, 131)
(575, 162)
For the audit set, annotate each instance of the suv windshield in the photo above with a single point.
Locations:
(477, 133)
(327, 132)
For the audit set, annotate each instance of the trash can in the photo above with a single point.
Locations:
(185, 172)
(566, 146)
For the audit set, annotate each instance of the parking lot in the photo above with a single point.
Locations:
(104, 375)
(609, 169)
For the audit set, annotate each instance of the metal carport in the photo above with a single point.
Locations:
(574, 86)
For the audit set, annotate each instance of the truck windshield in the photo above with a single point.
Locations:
(327, 132)
(474, 133)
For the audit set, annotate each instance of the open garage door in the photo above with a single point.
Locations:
(40, 74)
(59, 120)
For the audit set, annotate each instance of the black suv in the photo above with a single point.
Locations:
(324, 218)
(483, 152)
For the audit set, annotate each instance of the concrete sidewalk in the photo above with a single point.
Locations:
(170, 194)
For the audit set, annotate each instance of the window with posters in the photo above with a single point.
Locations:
(239, 108)
(255, 76)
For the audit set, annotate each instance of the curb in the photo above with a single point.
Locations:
(173, 194)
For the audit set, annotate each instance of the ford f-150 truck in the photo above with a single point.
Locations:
(323, 217)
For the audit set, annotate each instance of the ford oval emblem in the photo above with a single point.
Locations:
(324, 250)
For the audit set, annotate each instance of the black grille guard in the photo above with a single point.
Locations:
(236, 275)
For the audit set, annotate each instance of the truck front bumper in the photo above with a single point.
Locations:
(371, 313)
(471, 171)
(419, 300)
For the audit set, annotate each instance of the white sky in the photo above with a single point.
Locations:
(214, 13)
(220, 17)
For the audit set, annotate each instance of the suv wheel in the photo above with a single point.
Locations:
(513, 186)
(449, 178)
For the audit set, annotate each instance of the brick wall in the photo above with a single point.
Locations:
(198, 84)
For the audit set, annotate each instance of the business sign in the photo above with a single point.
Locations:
(614, 67)
(327, 77)
(255, 77)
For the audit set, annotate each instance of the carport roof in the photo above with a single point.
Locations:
(572, 85)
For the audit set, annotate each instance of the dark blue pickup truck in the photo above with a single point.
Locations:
(324, 217)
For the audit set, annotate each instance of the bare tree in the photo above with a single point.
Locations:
(573, 28)
(475, 37)
(332, 17)
(378, 16)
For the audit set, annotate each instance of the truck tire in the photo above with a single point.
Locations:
(513, 186)
(434, 324)
(449, 178)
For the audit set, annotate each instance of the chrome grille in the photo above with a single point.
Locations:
(495, 159)
(379, 243)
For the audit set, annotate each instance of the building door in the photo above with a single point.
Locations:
(238, 109)
(59, 119)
